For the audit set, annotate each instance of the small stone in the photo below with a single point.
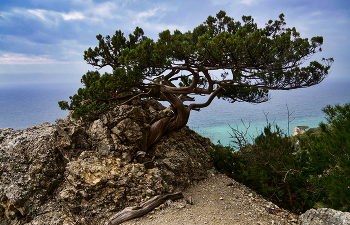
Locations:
(250, 195)
(221, 198)
(190, 200)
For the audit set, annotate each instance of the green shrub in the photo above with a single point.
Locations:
(316, 175)
(269, 167)
(225, 159)
(328, 155)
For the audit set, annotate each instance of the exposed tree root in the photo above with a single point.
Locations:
(138, 211)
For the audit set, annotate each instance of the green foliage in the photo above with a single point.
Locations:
(316, 131)
(244, 94)
(225, 159)
(98, 92)
(130, 61)
(269, 167)
(329, 157)
(254, 60)
(318, 174)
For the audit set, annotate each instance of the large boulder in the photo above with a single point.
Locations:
(73, 171)
(324, 216)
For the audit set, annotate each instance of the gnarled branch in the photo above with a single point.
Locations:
(138, 211)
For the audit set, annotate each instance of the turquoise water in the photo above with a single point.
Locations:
(304, 105)
(22, 106)
(224, 133)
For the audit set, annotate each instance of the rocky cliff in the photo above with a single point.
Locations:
(72, 171)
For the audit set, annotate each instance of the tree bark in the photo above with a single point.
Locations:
(168, 124)
(138, 211)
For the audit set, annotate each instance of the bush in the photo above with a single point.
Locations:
(269, 167)
(328, 155)
(225, 159)
(316, 175)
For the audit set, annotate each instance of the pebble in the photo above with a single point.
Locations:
(241, 208)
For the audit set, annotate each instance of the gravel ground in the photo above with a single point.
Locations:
(217, 200)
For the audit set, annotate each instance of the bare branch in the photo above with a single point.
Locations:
(210, 99)
(136, 96)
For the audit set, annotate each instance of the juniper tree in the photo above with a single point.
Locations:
(223, 58)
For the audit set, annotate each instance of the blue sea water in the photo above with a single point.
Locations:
(22, 106)
(304, 105)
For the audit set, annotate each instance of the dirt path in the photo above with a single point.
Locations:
(217, 200)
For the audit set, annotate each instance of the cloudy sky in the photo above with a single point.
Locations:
(43, 41)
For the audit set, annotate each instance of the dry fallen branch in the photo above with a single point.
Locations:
(138, 211)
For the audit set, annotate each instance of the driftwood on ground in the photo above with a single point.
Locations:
(138, 211)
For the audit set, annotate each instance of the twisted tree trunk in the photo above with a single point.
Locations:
(168, 124)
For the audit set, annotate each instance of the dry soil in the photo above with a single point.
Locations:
(217, 200)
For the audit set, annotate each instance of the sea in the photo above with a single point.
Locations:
(26, 105)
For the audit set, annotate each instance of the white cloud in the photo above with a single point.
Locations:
(142, 16)
(22, 59)
(148, 13)
(98, 11)
(73, 16)
(53, 17)
(40, 13)
(141, 19)
(246, 2)
(104, 10)
(232, 2)
(91, 12)
(221, 2)
(48, 17)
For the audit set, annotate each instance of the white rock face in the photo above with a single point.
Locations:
(298, 130)
(324, 216)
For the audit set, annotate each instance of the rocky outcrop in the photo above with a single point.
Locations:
(73, 171)
(299, 130)
(30, 169)
(324, 216)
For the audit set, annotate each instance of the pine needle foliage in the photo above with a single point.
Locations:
(269, 167)
(251, 61)
(329, 157)
(317, 175)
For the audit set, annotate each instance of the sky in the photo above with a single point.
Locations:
(43, 41)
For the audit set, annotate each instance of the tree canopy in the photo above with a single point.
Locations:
(249, 61)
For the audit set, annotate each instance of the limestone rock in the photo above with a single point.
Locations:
(182, 157)
(324, 216)
(31, 168)
(298, 130)
(73, 172)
